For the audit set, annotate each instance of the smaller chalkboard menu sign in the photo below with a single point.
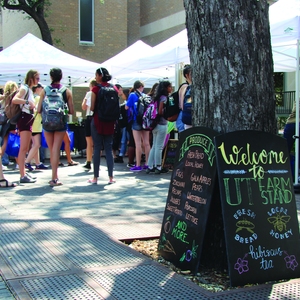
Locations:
(169, 154)
(189, 198)
(258, 206)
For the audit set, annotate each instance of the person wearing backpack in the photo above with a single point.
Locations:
(159, 133)
(55, 136)
(25, 99)
(102, 125)
(187, 73)
(10, 87)
(140, 135)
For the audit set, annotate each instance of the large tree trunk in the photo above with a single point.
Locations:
(232, 65)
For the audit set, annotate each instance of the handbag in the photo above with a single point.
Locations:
(13, 145)
(3, 117)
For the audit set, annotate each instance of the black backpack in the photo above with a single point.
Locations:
(187, 107)
(142, 104)
(171, 107)
(108, 104)
(123, 118)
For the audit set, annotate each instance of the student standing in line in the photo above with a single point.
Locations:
(86, 105)
(141, 137)
(102, 132)
(160, 131)
(25, 98)
(36, 134)
(54, 138)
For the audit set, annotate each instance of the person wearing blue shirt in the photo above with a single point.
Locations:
(141, 136)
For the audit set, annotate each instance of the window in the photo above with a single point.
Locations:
(86, 21)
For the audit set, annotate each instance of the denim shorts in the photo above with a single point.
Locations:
(136, 126)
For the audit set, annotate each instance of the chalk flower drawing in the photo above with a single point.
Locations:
(190, 253)
(290, 261)
(242, 265)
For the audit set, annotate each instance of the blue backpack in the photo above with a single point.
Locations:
(187, 107)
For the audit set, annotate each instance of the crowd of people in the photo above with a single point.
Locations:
(143, 148)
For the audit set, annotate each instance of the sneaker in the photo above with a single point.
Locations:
(130, 165)
(17, 167)
(41, 166)
(118, 159)
(145, 167)
(87, 166)
(30, 176)
(148, 171)
(163, 170)
(136, 169)
(27, 179)
(4, 168)
(28, 167)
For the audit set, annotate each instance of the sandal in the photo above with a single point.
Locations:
(7, 184)
(73, 163)
(92, 181)
(55, 182)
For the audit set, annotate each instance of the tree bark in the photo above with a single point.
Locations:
(232, 66)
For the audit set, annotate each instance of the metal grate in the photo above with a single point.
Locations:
(60, 224)
(27, 256)
(88, 247)
(13, 226)
(59, 287)
(145, 282)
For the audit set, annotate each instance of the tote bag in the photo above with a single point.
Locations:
(13, 145)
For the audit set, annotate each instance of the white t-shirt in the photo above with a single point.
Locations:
(30, 97)
(88, 97)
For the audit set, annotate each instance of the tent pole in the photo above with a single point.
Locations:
(297, 117)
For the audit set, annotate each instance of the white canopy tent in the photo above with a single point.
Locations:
(31, 52)
(161, 62)
(284, 18)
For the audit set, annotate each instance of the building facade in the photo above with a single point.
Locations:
(96, 31)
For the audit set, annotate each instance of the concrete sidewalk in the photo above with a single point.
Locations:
(64, 242)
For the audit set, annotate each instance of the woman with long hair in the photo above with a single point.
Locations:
(102, 131)
(25, 98)
(141, 136)
(54, 138)
(160, 131)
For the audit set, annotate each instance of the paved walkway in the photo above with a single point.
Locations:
(63, 242)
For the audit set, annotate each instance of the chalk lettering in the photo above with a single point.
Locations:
(261, 252)
(195, 198)
(176, 192)
(281, 236)
(191, 218)
(174, 209)
(190, 208)
(178, 183)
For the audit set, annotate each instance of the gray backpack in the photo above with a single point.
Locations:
(53, 111)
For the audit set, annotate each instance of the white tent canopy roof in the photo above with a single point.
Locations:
(284, 17)
(31, 52)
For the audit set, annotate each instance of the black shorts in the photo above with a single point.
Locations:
(87, 126)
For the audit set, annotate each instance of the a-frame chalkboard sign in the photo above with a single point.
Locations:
(258, 206)
(189, 198)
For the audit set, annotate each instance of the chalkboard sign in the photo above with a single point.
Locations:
(258, 206)
(169, 154)
(189, 199)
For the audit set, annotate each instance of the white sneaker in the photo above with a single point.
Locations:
(17, 167)
(4, 168)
